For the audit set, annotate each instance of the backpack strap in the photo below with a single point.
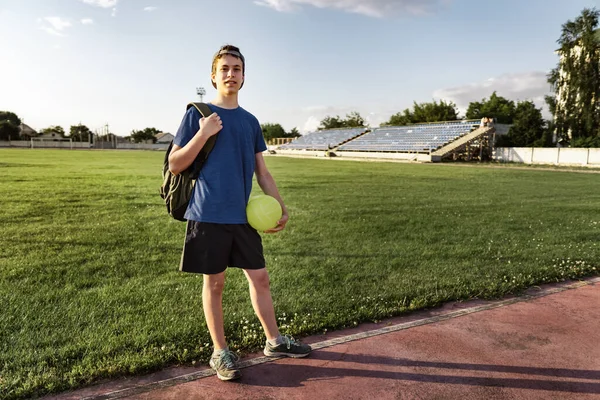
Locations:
(202, 108)
(205, 111)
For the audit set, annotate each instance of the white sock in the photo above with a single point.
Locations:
(277, 341)
(217, 353)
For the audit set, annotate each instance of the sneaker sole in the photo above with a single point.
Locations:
(223, 377)
(228, 378)
(280, 354)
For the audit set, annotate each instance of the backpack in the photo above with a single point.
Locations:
(177, 190)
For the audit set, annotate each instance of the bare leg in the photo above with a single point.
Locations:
(260, 294)
(212, 301)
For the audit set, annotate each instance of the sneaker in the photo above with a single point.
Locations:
(225, 364)
(289, 348)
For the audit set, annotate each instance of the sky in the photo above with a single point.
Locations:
(133, 64)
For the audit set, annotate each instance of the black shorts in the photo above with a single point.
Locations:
(211, 248)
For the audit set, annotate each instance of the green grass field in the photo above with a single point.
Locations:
(89, 285)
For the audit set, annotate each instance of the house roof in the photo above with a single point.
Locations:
(162, 135)
(27, 130)
(26, 127)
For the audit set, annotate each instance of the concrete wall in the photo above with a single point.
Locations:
(300, 153)
(143, 146)
(383, 156)
(594, 157)
(555, 156)
(358, 154)
(573, 156)
(545, 155)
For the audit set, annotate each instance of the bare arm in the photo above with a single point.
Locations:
(268, 186)
(182, 157)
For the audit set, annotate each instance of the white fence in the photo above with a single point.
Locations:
(79, 145)
(27, 144)
(544, 155)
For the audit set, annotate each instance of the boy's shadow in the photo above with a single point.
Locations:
(285, 374)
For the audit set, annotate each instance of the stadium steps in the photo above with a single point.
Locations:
(349, 140)
(459, 143)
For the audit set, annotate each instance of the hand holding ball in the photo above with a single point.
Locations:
(263, 212)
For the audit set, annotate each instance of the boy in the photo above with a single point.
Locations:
(217, 233)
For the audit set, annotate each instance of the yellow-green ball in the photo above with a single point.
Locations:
(263, 212)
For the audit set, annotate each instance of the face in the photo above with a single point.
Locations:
(228, 75)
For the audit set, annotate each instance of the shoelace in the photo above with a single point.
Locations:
(228, 359)
(289, 341)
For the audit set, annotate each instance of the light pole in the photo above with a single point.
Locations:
(200, 92)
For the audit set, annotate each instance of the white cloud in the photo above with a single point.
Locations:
(517, 87)
(87, 21)
(51, 31)
(57, 25)
(279, 5)
(315, 114)
(371, 8)
(310, 125)
(376, 118)
(102, 3)
(150, 9)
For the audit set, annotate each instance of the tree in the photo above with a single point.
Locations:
(294, 133)
(272, 131)
(8, 131)
(435, 112)
(400, 119)
(9, 125)
(80, 133)
(331, 123)
(425, 112)
(10, 117)
(547, 137)
(353, 120)
(144, 135)
(55, 129)
(109, 137)
(496, 107)
(591, 141)
(576, 79)
(528, 127)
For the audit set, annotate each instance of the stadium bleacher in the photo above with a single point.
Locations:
(323, 140)
(419, 138)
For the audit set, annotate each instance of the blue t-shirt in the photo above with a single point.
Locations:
(225, 182)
